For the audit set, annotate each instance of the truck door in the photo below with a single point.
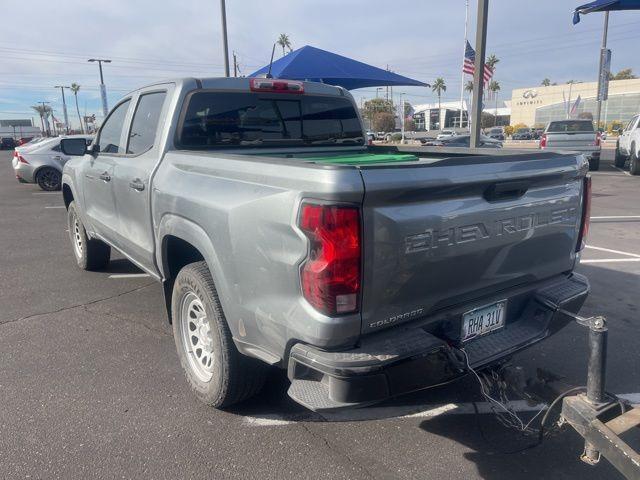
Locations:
(133, 171)
(625, 138)
(98, 174)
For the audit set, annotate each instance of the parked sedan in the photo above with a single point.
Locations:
(446, 134)
(7, 143)
(42, 162)
(463, 141)
(522, 134)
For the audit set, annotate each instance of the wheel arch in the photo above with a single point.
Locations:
(181, 242)
(67, 195)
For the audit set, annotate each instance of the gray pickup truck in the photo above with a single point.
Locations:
(575, 136)
(281, 238)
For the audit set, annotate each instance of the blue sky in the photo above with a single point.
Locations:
(148, 41)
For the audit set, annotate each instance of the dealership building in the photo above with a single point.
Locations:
(540, 105)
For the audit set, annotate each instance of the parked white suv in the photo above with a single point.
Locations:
(628, 146)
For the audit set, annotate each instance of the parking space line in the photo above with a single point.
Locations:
(614, 217)
(610, 260)
(46, 193)
(129, 275)
(608, 250)
(621, 170)
(399, 412)
(54, 206)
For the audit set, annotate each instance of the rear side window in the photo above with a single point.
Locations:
(218, 120)
(571, 126)
(145, 122)
(112, 130)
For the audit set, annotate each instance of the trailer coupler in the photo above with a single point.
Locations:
(597, 416)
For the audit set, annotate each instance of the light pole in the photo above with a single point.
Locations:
(603, 71)
(377, 90)
(64, 108)
(225, 45)
(103, 88)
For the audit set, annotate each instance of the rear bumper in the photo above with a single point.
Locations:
(405, 359)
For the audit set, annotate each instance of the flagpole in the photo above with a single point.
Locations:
(464, 50)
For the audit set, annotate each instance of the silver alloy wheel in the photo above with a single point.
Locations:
(196, 336)
(77, 237)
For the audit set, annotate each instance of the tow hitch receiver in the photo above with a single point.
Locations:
(598, 417)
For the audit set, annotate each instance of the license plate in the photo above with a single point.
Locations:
(483, 320)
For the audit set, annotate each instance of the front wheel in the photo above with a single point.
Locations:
(634, 162)
(619, 160)
(217, 373)
(49, 179)
(90, 254)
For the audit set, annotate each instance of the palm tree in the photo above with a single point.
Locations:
(44, 111)
(468, 87)
(494, 87)
(492, 61)
(75, 88)
(284, 42)
(546, 82)
(439, 86)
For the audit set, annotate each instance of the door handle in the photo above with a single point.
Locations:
(137, 184)
(105, 176)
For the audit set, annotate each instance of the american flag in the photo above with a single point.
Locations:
(469, 65)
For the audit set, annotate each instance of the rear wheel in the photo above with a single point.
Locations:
(48, 179)
(217, 373)
(90, 254)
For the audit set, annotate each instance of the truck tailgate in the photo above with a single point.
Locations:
(447, 233)
(578, 141)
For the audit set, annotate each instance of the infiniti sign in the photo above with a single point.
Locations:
(529, 94)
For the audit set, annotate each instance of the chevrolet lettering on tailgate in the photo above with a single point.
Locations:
(433, 238)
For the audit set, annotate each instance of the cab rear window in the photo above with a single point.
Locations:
(571, 126)
(223, 119)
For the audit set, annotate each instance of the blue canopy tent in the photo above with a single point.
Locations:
(605, 54)
(317, 65)
(604, 6)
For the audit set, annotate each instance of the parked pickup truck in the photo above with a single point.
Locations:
(281, 238)
(573, 135)
(628, 146)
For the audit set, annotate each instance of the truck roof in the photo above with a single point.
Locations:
(241, 84)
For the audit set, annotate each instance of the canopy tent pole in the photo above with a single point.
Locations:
(478, 77)
(601, 66)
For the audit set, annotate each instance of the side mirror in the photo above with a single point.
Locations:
(620, 130)
(73, 146)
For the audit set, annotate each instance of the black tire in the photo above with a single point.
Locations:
(233, 377)
(634, 162)
(49, 179)
(90, 254)
(619, 160)
(594, 164)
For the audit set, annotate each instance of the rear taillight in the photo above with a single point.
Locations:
(330, 276)
(543, 140)
(586, 214)
(22, 160)
(275, 86)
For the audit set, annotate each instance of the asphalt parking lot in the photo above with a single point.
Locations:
(91, 387)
